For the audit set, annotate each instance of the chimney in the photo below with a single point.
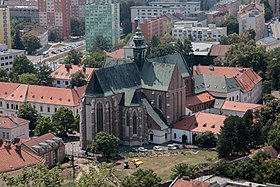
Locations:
(211, 67)
(18, 147)
(8, 144)
(68, 67)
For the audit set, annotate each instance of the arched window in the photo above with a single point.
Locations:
(127, 119)
(99, 117)
(134, 123)
(160, 103)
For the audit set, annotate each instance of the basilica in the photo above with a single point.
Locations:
(136, 100)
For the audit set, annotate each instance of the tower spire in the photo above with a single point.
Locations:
(139, 48)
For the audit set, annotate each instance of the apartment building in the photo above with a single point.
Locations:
(5, 27)
(78, 9)
(21, 2)
(102, 18)
(7, 57)
(275, 6)
(55, 15)
(46, 100)
(155, 26)
(189, 7)
(29, 14)
(198, 33)
(252, 17)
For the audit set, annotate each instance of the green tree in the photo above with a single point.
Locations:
(101, 43)
(270, 172)
(106, 144)
(273, 69)
(94, 178)
(206, 139)
(31, 43)
(74, 57)
(3, 75)
(233, 139)
(53, 36)
(78, 79)
(155, 41)
(142, 178)
(28, 112)
(268, 10)
(167, 39)
(63, 120)
(125, 15)
(17, 44)
(185, 49)
(43, 72)
(22, 65)
(28, 78)
(230, 39)
(183, 169)
(94, 59)
(161, 50)
(232, 25)
(44, 125)
(274, 139)
(37, 175)
(77, 27)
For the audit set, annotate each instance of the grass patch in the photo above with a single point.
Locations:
(162, 163)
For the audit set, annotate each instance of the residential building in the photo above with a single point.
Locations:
(275, 6)
(198, 33)
(217, 17)
(5, 27)
(154, 26)
(102, 18)
(232, 108)
(40, 32)
(188, 7)
(7, 57)
(29, 14)
(185, 181)
(201, 49)
(13, 157)
(21, 2)
(78, 9)
(187, 129)
(138, 109)
(207, 4)
(147, 12)
(269, 43)
(230, 6)
(252, 17)
(46, 100)
(47, 146)
(12, 127)
(62, 75)
(55, 15)
(230, 83)
(219, 52)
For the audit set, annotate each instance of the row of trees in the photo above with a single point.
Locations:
(62, 121)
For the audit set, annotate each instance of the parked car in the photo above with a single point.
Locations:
(142, 149)
(157, 148)
(171, 147)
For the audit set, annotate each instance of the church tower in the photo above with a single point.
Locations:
(139, 48)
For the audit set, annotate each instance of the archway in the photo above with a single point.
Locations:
(193, 138)
(184, 139)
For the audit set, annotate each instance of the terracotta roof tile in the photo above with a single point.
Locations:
(189, 183)
(19, 94)
(11, 159)
(202, 122)
(40, 139)
(199, 98)
(219, 50)
(119, 53)
(10, 121)
(7, 88)
(62, 73)
(240, 106)
(268, 149)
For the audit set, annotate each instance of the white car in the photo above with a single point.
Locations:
(171, 147)
(157, 148)
(142, 149)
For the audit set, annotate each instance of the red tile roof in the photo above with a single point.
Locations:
(202, 122)
(189, 183)
(240, 106)
(119, 53)
(11, 121)
(268, 149)
(41, 94)
(11, 159)
(219, 50)
(199, 98)
(249, 8)
(246, 77)
(62, 73)
(37, 140)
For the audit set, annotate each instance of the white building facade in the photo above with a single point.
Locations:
(7, 58)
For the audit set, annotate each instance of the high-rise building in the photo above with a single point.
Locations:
(102, 17)
(5, 28)
(78, 9)
(55, 15)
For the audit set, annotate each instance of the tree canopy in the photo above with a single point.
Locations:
(232, 25)
(183, 169)
(44, 125)
(28, 78)
(142, 178)
(43, 73)
(206, 139)
(22, 65)
(74, 57)
(31, 43)
(94, 59)
(78, 79)
(63, 120)
(77, 27)
(101, 43)
(3, 75)
(28, 112)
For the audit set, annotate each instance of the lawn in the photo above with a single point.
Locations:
(163, 163)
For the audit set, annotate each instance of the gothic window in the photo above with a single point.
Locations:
(160, 103)
(99, 116)
(134, 121)
(127, 119)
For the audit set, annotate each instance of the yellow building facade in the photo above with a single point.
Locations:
(5, 27)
